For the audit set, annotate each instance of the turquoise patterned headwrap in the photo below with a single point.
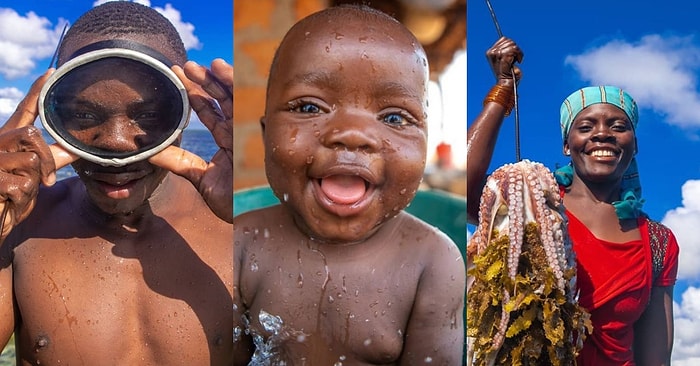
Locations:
(630, 204)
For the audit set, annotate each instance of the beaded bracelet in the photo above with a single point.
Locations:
(502, 95)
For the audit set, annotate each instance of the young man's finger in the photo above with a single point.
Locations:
(181, 162)
(205, 106)
(27, 110)
(61, 158)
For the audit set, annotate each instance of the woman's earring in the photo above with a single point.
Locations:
(567, 152)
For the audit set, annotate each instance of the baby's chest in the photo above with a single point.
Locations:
(346, 309)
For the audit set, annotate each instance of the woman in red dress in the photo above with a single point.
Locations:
(626, 262)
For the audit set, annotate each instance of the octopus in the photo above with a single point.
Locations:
(521, 302)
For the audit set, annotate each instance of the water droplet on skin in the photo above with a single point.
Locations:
(328, 48)
(291, 152)
(309, 159)
(428, 359)
(292, 140)
(237, 334)
(254, 267)
(317, 133)
(307, 34)
(285, 197)
(339, 35)
(403, 191)
(367, 342)
(363, 39)
(300, 280)
(331, 299)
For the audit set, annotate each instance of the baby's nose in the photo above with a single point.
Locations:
(353, 131)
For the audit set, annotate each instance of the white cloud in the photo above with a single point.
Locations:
(9, 98)
(21, 50)
(686, 344)
(185, 29)
(655, 70)
(684, 222)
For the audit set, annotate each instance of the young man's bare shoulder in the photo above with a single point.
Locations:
(51, 214)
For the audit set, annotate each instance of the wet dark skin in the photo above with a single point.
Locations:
(88, 102)
(122, 266)
(361, 283)
(596, 184)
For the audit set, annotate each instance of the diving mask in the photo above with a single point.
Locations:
(114, 103)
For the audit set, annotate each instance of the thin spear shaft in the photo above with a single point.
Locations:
(515, 87)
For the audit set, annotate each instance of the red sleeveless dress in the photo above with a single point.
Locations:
(614, 280)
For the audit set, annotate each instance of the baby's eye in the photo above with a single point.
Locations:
(304, 107)
(395, 119)
(398, 119)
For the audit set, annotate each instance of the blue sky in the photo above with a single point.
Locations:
(30, 29)
(649, 48)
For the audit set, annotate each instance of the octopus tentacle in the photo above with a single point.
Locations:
(523, 270)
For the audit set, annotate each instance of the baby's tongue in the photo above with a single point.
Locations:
(343, 189)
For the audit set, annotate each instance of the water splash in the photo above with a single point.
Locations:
(269, 352)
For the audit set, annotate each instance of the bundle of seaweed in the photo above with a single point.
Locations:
(521, 303)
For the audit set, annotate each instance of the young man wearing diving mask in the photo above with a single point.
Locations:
(131, 262)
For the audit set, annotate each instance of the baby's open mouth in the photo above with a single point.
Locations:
(344, 189)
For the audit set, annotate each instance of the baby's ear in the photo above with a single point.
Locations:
(262, 124)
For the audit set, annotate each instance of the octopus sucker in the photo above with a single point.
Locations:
(521, 303)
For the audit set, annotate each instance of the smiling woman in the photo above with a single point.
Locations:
(626, 263)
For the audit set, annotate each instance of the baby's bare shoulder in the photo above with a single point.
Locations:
(268, 217)
(424, 235)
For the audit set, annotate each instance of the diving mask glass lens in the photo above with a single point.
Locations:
(114, 106)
